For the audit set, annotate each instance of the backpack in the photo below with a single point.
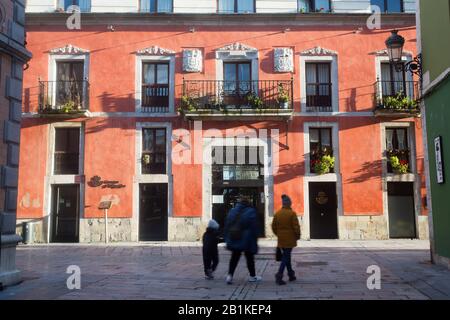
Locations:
(235, 230)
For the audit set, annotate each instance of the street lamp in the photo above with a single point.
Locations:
(394, 46)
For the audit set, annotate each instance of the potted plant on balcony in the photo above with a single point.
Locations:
(400, 102)
(283, 98)
(254, 101)
(322, 161)
(324, 165)
(187, 104)
(399, 166)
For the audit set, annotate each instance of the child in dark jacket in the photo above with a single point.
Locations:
(210, 251)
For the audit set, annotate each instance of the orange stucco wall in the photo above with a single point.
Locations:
(110, 142)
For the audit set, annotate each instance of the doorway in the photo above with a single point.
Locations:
(402, 220)
(323, 210)
(153, 212)
(65, 213)
(225, 199)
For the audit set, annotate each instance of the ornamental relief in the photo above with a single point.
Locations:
(283, 60)
(192, 60)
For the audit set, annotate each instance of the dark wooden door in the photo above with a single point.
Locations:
(229, 197)
(402, 221)
(323, 210)
(153, 216)
(65, 213)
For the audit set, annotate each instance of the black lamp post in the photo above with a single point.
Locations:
(394, 46)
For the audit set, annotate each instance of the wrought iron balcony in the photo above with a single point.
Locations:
(397, 98)
(318, 97)
(155, 98)
(64, 98)
(219, 99)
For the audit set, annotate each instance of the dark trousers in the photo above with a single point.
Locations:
(236, 255)
(285, 261)
(210, 261)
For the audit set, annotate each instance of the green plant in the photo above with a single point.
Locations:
(324, 165)
(69, 106)
(399, 166)
(187, 104)
(254, 101)
(283, 96)
(399, 102)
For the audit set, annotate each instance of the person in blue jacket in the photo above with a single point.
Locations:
(241, 235)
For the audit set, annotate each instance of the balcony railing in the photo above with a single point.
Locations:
(155, 98)
(63, 97)
(227, 96)
(396, 98)
(318, 97)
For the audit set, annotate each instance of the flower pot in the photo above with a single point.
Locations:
(284, 105)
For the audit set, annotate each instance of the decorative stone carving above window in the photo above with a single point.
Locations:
(155, 51)
(192, 60)
(68, 49)
(237, 47)
(318, 51)
(283, 60)
(236, 51)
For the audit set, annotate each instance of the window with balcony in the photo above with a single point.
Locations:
(84, 5)
(318, 87)
(397, 150)
(388, 6)
(67, 151)
(320, 144)
(154, 151)
(314, 5)
(68, 92)
(394, 93)
(155, 86)
(156, 6)
(236, 6)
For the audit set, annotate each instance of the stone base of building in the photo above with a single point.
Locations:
(9, 275)
(192, 228)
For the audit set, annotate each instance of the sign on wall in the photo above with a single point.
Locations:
(439, 160)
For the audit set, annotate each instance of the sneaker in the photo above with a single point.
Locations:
(254, 279)
(209, 275)
(229, 279)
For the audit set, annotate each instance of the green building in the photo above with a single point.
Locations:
(434, 33)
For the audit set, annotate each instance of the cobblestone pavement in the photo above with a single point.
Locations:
(325, 270)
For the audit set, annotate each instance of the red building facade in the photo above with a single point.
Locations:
(136, 109)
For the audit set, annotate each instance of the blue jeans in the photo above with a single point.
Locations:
(285, 261)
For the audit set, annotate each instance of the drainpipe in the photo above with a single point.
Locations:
(1, 231)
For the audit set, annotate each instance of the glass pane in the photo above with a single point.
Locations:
(226, 6)
(229, 77)
(401, 138)
(246, 6)
(389, 139)
(322, 5)
(244, 75)
(311, 73)
(314, 135)
(161, 137)
(326, 138)
(148, 140)
(163, 74)
(149, 73)
(324, 73)
(379, 3)
(164, 5)
(394, 6)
